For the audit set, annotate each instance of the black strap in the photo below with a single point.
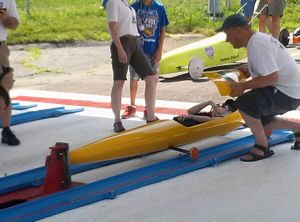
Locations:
(262, 148)
(297, 134)
(296, 146)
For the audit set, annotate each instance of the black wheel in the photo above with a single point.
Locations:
(284, 37)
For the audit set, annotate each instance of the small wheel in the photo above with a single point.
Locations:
(268, 133)
(194, 153)
(284, 37)
(196, 68)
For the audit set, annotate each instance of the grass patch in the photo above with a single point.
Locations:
(34, 54)
(83, 20)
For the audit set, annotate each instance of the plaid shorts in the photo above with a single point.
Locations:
(266, 103)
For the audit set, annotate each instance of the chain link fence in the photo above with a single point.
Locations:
(57, 7)
(71, 20)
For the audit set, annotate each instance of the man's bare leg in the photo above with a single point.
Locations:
(292, 124)
(116, 98)
(133, 91)
(262, 23)
(6, 116)
(275, 26)
(150, 96)
(258, 132)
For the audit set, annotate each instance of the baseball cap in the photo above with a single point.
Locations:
(235, 20)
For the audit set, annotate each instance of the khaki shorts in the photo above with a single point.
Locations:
(136, 57)
(4, 55)
(275, 8)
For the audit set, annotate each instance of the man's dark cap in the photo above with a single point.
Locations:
(235, 20)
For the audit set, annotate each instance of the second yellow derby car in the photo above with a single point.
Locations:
(212, 51)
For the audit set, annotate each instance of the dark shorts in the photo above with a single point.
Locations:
(135, 76)
(136, 57)
(266, 103)
(275, 8)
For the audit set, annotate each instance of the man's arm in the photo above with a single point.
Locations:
(255, 83)
(158, 52)
(113, 26)
(245, 70)
(197, 108)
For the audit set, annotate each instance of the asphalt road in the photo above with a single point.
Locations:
(87, 69)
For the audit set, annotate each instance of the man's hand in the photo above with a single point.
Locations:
(3, 14)
(122, 56)
(237, 88)
(157, 57)
(244, 69)
(113, 27)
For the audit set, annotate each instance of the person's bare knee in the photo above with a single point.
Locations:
(152, 79)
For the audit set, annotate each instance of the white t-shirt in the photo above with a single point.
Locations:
(11, 8)
(267, 55)
(121, 12)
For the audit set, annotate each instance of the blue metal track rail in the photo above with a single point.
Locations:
(110, 188)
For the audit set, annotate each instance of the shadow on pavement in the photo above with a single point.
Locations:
(181, 77)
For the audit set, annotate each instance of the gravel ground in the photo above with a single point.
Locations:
(86, 68)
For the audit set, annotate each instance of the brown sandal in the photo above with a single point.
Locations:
(255, 157)
(151, 121)
(296, 145)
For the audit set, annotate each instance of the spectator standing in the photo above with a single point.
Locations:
(248, 8)
(151, 22)
(275, 11)
(126, 50)
(9, 20)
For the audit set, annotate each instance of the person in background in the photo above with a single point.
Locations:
(272, 88)
(9, 20)
(126, 50)
(248, 8)
(214, 9)
(270, 16)
(151, 22)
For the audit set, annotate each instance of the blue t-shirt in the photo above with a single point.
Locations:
(150, 21)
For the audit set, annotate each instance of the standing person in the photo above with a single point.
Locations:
(214, 9)
(248, 8)
(274, 86)
(126, 50)
(152, 21)
(9, 20)
(274, 11)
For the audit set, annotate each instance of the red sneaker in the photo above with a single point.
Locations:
(129, 112)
